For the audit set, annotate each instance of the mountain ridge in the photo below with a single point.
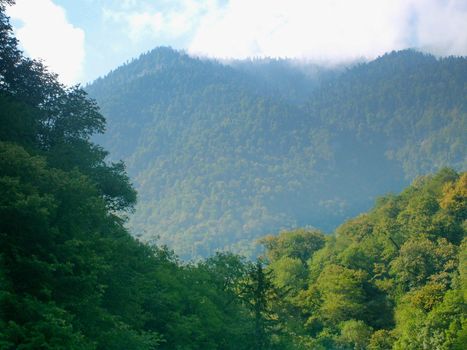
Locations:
(219, 159)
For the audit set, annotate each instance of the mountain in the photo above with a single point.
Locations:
(221, 154)
(72, 276)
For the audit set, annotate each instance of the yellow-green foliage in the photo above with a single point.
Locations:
(394, 278)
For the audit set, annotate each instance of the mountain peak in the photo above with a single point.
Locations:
(223, 154)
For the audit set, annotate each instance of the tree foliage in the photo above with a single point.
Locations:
(223, 154)
(71, 276)
(393, 278)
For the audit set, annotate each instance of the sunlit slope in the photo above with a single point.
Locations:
(223, 154)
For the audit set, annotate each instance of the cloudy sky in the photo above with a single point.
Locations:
(81, 40)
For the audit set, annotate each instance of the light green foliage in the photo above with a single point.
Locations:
(455, 196)
(354, 334)
(393, 278)
(342, 293)
(298, 244)
(440, 328)
(289, 273)
(463, 267)
(420, 259)
(381, 340)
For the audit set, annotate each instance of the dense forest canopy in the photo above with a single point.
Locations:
(392, 278)
(222, 154)
(72, 276)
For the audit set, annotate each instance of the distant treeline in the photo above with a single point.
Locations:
(72, 277)
(223, 154)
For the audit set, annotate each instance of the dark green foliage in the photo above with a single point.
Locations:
(71, 276)
(258, 292)
(223, 154)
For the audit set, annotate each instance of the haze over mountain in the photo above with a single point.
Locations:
(223, 154)
(220, 154)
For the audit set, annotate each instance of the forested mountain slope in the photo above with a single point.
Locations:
(416, 103)
(222, 154)
(392, 278)
(71, 276)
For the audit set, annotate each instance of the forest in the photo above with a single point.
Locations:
(73, 276)
(222, 153)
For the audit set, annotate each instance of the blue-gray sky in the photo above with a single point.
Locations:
(84, 39)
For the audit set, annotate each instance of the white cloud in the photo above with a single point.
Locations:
(46, 34)
(331, 30)
(169, 19)
(324, 30)
(142, 22)
(442, 26)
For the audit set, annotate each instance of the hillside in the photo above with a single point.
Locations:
(222, 154)
(391, 278)
(71, 276)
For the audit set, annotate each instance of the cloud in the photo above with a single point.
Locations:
(140, 23)
(169, 19)
(45, 33)
(331, 30)
(441, 26)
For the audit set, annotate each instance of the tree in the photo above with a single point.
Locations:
(354, 334)
(258, 292)
(298, 244)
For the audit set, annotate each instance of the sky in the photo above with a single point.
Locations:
(81, 40)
